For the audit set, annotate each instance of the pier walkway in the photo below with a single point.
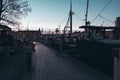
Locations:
(48, 66)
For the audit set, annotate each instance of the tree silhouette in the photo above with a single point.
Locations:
(13, 10)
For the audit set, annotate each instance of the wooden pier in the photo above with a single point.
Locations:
(46, 65)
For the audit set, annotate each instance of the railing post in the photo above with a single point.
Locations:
(116, 64)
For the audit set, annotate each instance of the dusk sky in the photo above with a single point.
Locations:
(49, 14)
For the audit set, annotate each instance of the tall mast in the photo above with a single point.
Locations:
(70, 15)
(69, 21)
(86, 16)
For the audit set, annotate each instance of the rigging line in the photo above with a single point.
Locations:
(106, 19)
(102, 11)
(66, 26)
(78, 17)
(63, 20)
(67, 22)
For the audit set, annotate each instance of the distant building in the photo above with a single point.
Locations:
(117, 29)
(30, 35)
(106, 31)
(6, 36)
(118, 22)
(5, 28)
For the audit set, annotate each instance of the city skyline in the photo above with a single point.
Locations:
(52, 14)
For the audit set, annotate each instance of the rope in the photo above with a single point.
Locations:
(106, 19)
(101, 11)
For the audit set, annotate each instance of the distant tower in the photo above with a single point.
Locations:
(118, 22)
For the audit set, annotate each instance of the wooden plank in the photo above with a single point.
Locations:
(48, 66)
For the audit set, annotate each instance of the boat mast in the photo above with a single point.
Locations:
(70, 15)
(69, 21)
(86, 16)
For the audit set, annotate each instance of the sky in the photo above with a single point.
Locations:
(52, 14)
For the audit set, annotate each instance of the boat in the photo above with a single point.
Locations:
(96, 45)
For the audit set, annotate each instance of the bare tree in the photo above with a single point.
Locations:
(13, 10)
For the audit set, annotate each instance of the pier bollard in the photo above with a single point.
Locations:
(116, 64)
(33, 46)
(60, 46)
